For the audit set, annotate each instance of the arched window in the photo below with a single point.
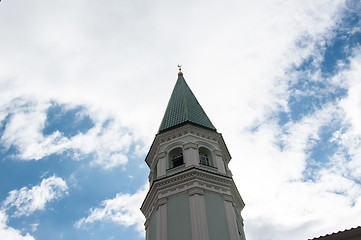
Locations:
(177, 159)
(203, 158)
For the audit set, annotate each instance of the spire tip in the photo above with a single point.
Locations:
(180, 70)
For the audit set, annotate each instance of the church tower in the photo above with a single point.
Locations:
(192, 195)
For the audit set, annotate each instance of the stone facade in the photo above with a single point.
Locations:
(213, 204)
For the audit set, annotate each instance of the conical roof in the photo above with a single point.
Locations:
(183, 107)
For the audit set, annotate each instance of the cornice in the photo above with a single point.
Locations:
(192, 178)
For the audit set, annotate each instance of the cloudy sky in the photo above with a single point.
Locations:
(84, 86)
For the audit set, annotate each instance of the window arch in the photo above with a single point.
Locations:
(205, 156)
(176, 158)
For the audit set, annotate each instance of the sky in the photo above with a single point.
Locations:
(84, 86)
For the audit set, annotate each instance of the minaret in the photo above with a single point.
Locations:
(192, 195)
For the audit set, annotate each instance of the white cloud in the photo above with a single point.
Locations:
(350, 137)
(248, 48)
(279, 200)
(124, 209)
(10, 233)
(110, 145)
(236, 57)
(23, 129)
(27, 200)
(278, 195)
(352, 102)
(106, 63)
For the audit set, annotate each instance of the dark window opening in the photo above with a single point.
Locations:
(155, 171)
(203, 159)
(177, 159)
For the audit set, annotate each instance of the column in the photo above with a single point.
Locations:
(191, 154)
(161, 219)
(146, 225)
(219, 162)
(198, 214)
(162, 164)
(243, 235)
(231, 218)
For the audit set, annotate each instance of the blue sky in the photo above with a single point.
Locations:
(84, 86)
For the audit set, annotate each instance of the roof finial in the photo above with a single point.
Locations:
(180, 70)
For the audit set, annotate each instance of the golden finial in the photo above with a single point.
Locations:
(180, 70)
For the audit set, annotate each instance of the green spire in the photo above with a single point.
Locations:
(183, 107)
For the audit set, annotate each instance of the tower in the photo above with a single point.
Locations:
(192, 195)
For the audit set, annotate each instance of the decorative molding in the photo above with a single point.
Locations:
(210, 169)
(206, 144)
(218, 152)
(238, 199)
(181, 131)
(146, 223)
(161, 155)
(227, 198)
(196, 190)
(185, 181)
(173, 145)
(161, 202)
(190, 145)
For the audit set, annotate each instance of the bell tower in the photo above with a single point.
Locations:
(192, 195)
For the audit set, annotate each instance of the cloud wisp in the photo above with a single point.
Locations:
(28, 200)
(123, 209)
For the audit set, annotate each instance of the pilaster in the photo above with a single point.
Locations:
(161, 220)
(219, 162)
(198, 214)
(162, 164)
(231, 218)
(191, 154)
(146, 225)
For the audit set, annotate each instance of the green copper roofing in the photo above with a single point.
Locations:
(183, 107)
